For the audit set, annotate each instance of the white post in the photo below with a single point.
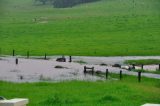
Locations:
(14, 102)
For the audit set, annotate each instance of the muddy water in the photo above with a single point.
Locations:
(33, 70)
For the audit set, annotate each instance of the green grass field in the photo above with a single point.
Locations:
(127, 92)
(104, 28)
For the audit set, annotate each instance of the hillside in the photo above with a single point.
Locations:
(103, 28)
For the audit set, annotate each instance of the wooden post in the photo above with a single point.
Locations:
(13, 52)
(106, 73)
(142, 66)
(63, 56)
(133, 66)
(159, 67)
(21, 77)
(16, 61)
(70, 58)
(45, 56)
(64, 59)
(28, 54)
(35, 19)
(139, 76)
(120, 74)
(92, 70)
(85, 69)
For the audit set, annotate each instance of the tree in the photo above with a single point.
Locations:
(69, 3)
(63, 3)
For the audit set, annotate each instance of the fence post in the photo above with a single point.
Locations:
(70, 58)
(120, 74)
(84, 69)
(106, 73)
(16, 61)
(139, 76)
(45, 56)
(21, 77)
(13, 52)
(142, 66)
(159, 67)
(92, 70)
(28, 54)
(133, 66)
(63, 56)
(64, 59)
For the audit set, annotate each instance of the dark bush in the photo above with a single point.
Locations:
(69, 3)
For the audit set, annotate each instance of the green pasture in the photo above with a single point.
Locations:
(127, 92)
(103, 28)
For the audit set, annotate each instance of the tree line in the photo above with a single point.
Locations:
(64, 3)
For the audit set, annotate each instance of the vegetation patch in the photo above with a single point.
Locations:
(58, 100)
(69, 3)
(143, 61)
(109, 98)
(63, 3)
(53, 100)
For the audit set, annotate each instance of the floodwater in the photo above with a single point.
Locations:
(34, 70)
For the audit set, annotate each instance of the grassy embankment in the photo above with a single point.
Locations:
(127, 92)
(104, 28)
